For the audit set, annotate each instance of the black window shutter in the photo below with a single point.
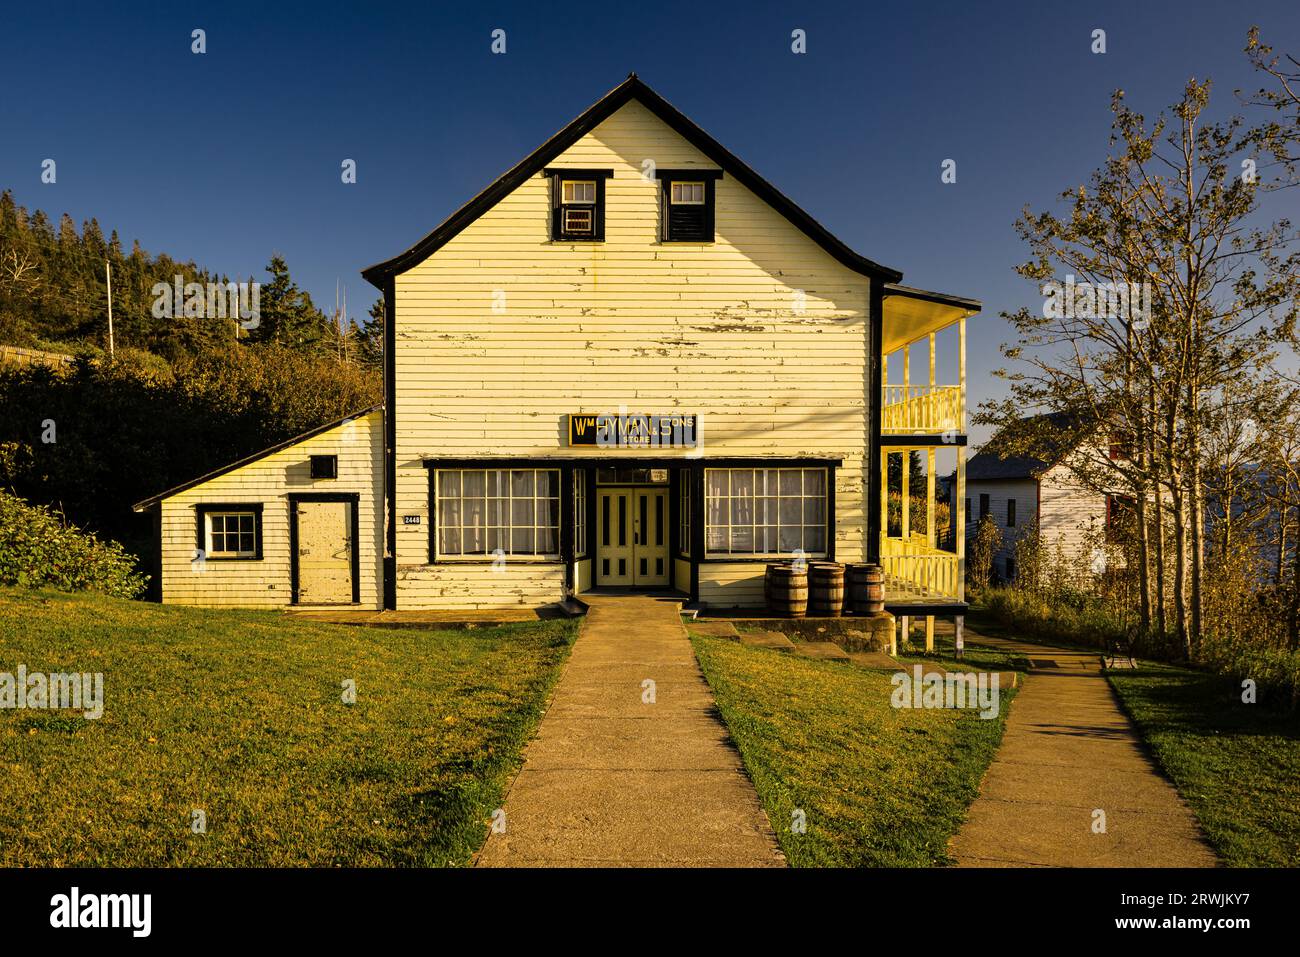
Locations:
(686, 222)
(557, 212)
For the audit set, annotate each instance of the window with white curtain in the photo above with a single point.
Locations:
(774, 511)
(488, 512)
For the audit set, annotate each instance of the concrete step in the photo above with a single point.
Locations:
(824, 650)
(767, 639)
(714, 629)
(876, 660)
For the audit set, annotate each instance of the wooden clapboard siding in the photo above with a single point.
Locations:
(714, 329)
(471, 585)
(269, 481)
(1071, 515)
(582, 574)
(731, 584)
(682, 574)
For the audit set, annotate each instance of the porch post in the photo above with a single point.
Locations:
(905, 495)
(931, 525)
(959, 524)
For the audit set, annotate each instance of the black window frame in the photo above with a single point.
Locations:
(984, 505)
(707, 230)
(1011, 513)
(329, 464)
(565, 505)
(201, 512)
(557, 177)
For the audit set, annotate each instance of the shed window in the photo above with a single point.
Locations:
(777, 511)
(324, 466)
(1011, 513)
(232, 534)
(491, 513)
(984, 506)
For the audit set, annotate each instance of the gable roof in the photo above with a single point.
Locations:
(989, 465)
(633, 88)
(248, 460)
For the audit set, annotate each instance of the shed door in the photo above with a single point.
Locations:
(324, 553)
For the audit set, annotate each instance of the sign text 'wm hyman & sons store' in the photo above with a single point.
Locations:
(630, 431)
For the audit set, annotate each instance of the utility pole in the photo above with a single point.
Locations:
(108, 276)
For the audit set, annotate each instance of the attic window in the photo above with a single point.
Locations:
(578, 204)
(324, 466)
(689, 194)
(688, 204)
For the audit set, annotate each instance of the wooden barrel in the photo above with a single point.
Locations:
(866, 589)
(789, 591)
(767, 581)
(826, 589)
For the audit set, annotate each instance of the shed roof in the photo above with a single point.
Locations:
(278, 447)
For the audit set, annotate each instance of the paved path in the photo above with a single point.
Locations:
(613, 780)
(1069, 750)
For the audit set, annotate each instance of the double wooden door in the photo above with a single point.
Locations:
(632, 537)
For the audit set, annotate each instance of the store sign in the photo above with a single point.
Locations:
(634, 431)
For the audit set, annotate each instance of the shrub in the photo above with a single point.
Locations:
(986, 543)
(38, 548)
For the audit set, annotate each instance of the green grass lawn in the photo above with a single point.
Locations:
(240, 715)
(1237, 765)
(879, 786)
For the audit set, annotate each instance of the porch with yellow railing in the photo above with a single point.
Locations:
(917, 409)
(915, 570)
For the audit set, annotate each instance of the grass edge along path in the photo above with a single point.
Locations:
(877, 786)
(239, 714)
(1237, 765)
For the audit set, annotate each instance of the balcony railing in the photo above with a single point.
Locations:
(915, 571)
(912, 409)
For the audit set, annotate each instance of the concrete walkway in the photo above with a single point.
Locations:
(1068, 752)
(614, 778)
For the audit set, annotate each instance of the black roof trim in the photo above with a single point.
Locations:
(943, 299)
(278, 447)
(631, 88)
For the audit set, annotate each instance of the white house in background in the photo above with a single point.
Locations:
(1016, 490)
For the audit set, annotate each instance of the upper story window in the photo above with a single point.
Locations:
(687, 209)
(578, 204)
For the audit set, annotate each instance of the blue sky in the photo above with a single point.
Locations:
(226, 157)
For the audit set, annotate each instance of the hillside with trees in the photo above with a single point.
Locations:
(178, 396)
